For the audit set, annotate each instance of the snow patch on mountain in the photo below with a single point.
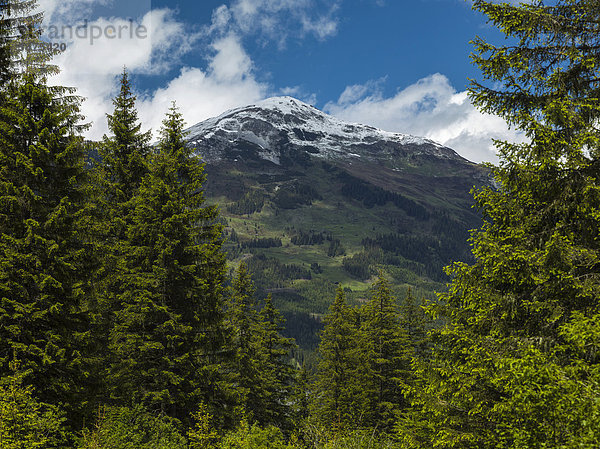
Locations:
(276, 122)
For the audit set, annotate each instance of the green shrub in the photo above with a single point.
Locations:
(253, 437)
(24, 421)
(132, 428)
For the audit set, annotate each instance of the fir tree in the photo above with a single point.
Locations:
(277, 372)
(244, 322)
(126, 151)
(168, 329)
(517, 364)
(338, 397)
(385, 353)
(22, 51)
(414, 320)
(43, 273)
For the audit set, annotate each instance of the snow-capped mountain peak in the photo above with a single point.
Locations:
(284, 124)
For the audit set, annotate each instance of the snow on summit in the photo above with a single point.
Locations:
(278, 121)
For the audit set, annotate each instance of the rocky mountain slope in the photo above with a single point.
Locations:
(278, 127)
(311, 202)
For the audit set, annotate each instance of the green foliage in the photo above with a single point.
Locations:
(202, 435)
(132, 428)
(338, 397)
(335, 248)
(169, 323)
(432, 250)
(360, 264)
(323, 438)
(415, 321)
(270, 273)
(254, 437)
(262, 243)
(125, 152)
(23, 54)
(308, 238)
(516, 366)
(43, 269)
(261, 369)
(253, 201)
(294, 195)
(26, 423)
(370, 196)
(277, 371)
(243, 321)
(385, 355)
(5, 54)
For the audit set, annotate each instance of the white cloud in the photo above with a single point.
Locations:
(67, 11)
(94, 66)
(200, 94)
(277, 20)
(226, 80)
(431, 108)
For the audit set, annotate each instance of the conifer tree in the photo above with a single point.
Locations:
(124, 163)
(385, 353)
(125, 153)
(25, 422)
(414, 320)
(300, 398)
(517, 365)
(168, 328)
(277, 372)
(43, 273)
(22, 52)
(261, 371)
(5, 59)
(244, 324)
(338, 398)
(117, 176)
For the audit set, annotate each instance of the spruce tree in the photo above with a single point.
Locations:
(338, 398)
(22, 52)
(244, 324)
(117, 175)
(385, 358)
(168, 329)
(300, 397)
(414, 320)
(125, 153)
(517, 365)
(260, 367)
(277, 372)
(43, 274)
(5, 55)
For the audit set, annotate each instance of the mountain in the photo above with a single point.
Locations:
(279, 127)
(310, 201)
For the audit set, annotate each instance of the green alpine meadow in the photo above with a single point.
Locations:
(276, 277)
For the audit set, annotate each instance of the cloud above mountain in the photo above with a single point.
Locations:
(226, 76)
(277, 20)
(431, 108)
(226, 80)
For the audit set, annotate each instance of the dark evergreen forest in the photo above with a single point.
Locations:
(121, 325)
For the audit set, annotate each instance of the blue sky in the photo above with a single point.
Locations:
(396, 64)
(400, 40)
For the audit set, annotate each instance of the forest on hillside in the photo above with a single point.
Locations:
(121, 326)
